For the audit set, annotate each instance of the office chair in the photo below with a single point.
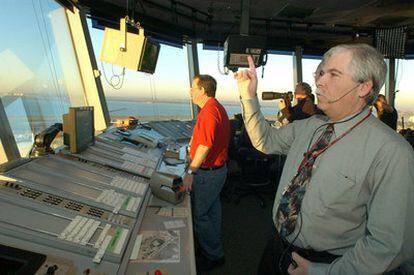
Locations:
(257, 176)
(228, 188)
(408, 134)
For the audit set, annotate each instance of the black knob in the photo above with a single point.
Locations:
(51, 270)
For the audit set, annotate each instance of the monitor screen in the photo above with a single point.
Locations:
(10, 265)
(78, 128)
(19, 262)
(149, 57)
(84, 127)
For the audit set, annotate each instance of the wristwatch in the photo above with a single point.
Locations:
(191, 172)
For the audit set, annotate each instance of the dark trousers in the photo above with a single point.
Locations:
(206, 210)
(277, 256)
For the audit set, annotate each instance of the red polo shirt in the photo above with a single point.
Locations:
(212, 130)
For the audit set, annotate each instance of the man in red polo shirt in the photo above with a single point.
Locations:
(207, 171)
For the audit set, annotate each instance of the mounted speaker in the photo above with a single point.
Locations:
(238, 47)
(391, 41)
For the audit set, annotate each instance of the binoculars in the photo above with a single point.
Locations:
(288, 97)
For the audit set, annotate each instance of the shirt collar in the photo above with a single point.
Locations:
(209, 101)
(349, 121)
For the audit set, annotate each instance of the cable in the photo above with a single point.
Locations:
(116, 81)
(31, 150)
(334, 123)
(154, 97)
(133, 10)
(44, 43)
(285, 251)
(117, 77)
(399, 73)
(54, 73)
(127, 7)
(226, 70)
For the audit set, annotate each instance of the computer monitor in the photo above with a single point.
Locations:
(149, 57)
(78, 128)
(18, 261)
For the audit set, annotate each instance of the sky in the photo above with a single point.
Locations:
(35, 70)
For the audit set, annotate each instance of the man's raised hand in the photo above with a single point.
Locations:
(247, 80)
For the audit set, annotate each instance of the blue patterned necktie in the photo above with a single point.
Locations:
(291, 200)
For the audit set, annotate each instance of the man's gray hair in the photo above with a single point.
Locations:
(366, 64)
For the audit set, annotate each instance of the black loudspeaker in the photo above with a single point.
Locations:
(238, 47)
(391, 42)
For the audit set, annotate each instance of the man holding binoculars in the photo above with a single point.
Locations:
(305, 106)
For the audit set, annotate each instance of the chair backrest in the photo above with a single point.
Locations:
(255, 165)
(235, 126)
(408, 135)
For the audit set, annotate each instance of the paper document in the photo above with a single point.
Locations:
(160, 247)
(178, 212)
(183, 152)
(175, 224)
(177, 169)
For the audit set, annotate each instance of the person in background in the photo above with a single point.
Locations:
(345, 198)
(385, 112)
(408, 134)
(207, 170)
(305, 106)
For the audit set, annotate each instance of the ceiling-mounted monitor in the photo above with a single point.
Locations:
(238, 47)
(130, 50)
(149, 58)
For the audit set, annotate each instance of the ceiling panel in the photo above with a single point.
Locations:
(313, 24)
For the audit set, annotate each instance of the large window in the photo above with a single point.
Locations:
(163, 95)
(39, 76)
(404, 102)
(308, 69)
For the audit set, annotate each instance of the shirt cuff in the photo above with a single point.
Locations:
(317, 268)
(250, 106)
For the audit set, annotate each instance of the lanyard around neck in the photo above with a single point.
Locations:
(314, 154)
